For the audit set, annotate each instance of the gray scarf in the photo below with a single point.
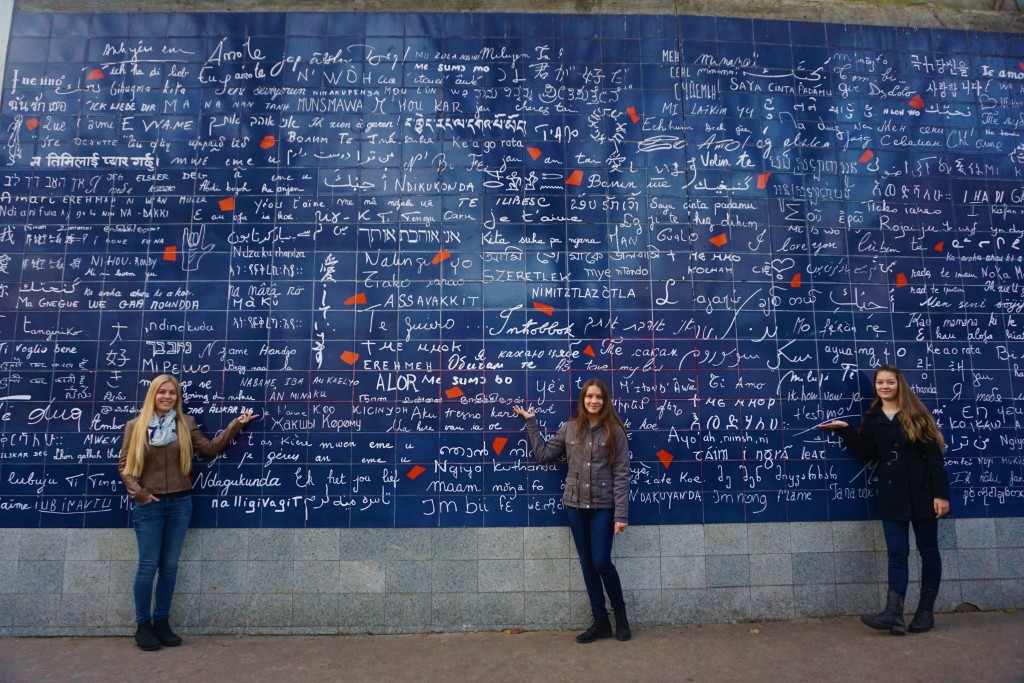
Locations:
(163, 430)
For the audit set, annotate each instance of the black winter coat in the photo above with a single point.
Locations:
(911, 474)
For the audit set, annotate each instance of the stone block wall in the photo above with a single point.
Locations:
(312, 581)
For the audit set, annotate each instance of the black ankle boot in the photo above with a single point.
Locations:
(923, 619)
(891, 618)
(601, 628)
(622, 631)
(163, 632)
(144, 636)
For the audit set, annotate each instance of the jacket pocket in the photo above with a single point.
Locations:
(603, 489)
(572, 488)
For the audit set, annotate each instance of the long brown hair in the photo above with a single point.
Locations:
(608, 418)
(140, 435)
(917, 422)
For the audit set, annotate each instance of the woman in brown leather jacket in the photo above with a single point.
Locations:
(596, 496)
(154, 465)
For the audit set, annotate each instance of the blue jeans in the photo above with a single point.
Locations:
(593, 531)
(160, 529)
(897, 543)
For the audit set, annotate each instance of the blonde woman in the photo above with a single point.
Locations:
(156, 457)
(901, 437)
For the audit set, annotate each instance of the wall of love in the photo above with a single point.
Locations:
(383, 230)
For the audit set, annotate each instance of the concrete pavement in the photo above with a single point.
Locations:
(963, 648)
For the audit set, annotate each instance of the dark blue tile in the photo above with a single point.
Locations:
(385, 25)
(425, 24)
(651, 27)
(949, 40)
(735, 30)
(146, 25)
(109, 26)
(204, 512)
(696, 49)
(1013, 43)
(290, 514)
(33, 24)
(985, 44)
(776, 57)
(228, 24)
(768, 506)
(304, 45)
(243, 517)
(805, 33)
(723, 507)
(771, 31)
(622, 26)
(346, 24)
(502, 25)
(542, 25)
(843, 35)
(307, 23)
(27, 50)
(186, 24)
(463, 24)
(893, 38)
(581, 26)
(420, 512)
(71, 24)
(698, 28)
(276, 24)
(809, 506)
(623, 51)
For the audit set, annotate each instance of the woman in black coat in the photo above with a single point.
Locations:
(901, 438)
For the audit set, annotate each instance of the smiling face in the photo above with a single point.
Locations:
(166, 398)
(887, 386)
(593, 400)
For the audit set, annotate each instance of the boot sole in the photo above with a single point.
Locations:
(151, 648)
(875, 625)
(878, 626)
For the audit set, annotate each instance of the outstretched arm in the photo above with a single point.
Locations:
(858, 443)
(211, 447)
(543, 451)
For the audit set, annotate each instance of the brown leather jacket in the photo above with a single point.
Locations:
(161, 466)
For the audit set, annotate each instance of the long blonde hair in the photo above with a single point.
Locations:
(917, 422)
(140, 435)
(608, 418)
